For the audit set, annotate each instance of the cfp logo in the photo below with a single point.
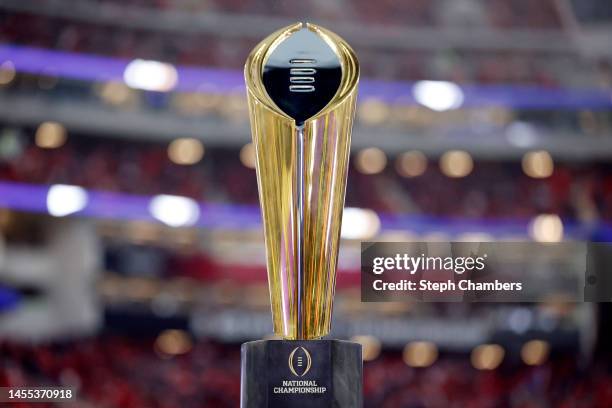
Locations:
(300, 361)
(302, 79)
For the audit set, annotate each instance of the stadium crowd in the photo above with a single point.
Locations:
(455, 64)
(111, 371)
(502, 14)
(575, 191)
(117, 369)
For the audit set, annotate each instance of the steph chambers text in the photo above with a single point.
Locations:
(444, 286)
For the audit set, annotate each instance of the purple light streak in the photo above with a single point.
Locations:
(226, 81)
(129, 207)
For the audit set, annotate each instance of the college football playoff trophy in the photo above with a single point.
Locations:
(302, 86)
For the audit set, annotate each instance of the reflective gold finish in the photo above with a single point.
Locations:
(302, 231)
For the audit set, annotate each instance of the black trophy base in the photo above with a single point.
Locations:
(301, 374)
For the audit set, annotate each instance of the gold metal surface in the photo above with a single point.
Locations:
(302, 246)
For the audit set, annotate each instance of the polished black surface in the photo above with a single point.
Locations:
(271, 366)
(302, 75)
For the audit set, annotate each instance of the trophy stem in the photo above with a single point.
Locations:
(299, 183)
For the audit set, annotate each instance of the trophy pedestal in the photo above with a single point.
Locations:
(301, 374)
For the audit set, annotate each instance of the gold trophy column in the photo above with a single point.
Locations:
(301, 174)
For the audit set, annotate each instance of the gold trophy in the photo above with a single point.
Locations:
(302, 150)
(302, 85)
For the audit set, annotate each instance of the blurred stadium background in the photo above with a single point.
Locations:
(131, 251)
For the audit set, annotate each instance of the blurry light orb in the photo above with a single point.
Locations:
(520, 320)
(373, 111)
(174, 211)
(538, 164)
(420, 353)
(173, 342)
(535, 352)
(456, 163)
(150, 75)
(11, 144)
(411, 164)
(247, 155)
(487, 356)
(185, 151)
(7, 72)
(521, 134)
(370, 346)
(371, 160)
(359, 223)
(50, 135)
(63, 200)
(115, 93)
(438, 95)
(546, 228)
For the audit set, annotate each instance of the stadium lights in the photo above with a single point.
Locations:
(371, 160)
(173, 342)
(64, 200)
(535, 352)
(185, 151)
(438, 95)
(538, 164)
(359, 223)
(150, 75)
(420, 353)
(247, 155)
(7, 72)
(546, 228)
(520, 320)
(50, 135)
(456, 163)
(411, 164)
(521, 134)
(487, 356)
(174, 211)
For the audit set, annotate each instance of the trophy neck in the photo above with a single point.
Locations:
(299, 183)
